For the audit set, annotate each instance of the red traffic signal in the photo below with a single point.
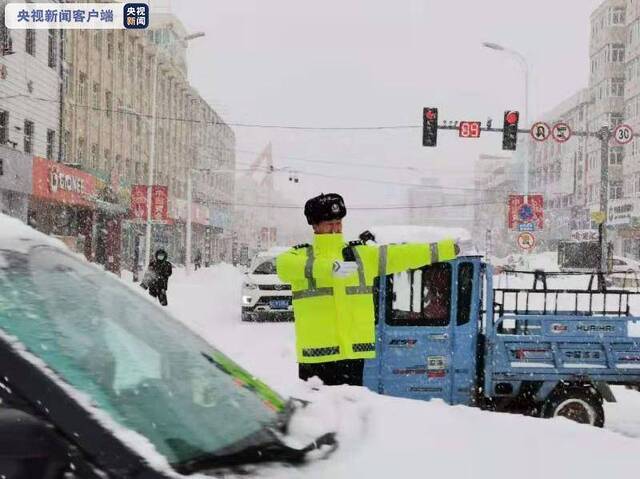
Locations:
(510, 130)
(512, 117)
(429, 126)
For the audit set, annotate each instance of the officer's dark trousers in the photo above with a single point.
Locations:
(334, 373)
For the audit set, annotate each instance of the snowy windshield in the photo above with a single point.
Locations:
(267, 267)
(135, 362)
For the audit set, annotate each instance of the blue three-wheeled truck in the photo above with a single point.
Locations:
(444, 331)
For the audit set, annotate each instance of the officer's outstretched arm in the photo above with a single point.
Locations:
(402, 257)
(293, 265)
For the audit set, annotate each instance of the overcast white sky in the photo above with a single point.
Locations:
(378, 62)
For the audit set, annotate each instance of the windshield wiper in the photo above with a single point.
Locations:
(264, 446)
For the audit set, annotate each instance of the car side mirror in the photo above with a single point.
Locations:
(31, 447)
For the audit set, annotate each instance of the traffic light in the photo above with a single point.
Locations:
(429, 126)
(510, 130)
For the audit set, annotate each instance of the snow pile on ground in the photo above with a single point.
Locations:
(19, 233)
(381, 436)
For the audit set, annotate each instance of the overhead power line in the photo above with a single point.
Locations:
(227, 123)
(362, 208)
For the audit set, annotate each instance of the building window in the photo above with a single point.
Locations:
(67, 144)
(6, 44)
(94, 156)
(110, 46)
(4, 127)
(67, 41)
(108, 97)
(83, 89)
(96, 95)
(615, 190)
(51, 141)
(617, 53)
(617, 87)
(81, 150)
(616, 16)
(30, 41)
(28, 136)
(615, 119)
(616, 154)
(52, 55)
(67, 78)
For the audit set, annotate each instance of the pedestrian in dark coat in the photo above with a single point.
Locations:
(157, 277)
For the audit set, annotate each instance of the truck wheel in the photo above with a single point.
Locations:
(579, 405)
(246, 317)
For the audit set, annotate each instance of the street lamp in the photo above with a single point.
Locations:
(152, 152)
(523, 63)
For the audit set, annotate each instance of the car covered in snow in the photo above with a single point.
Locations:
(264, 296)
(96, 381)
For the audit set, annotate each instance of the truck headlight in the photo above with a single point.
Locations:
(248, 285)
(246, 300)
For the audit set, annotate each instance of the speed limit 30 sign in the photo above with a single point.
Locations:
(623, 134)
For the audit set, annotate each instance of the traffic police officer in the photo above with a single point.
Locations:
(332, 288)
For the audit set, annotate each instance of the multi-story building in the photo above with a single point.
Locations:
(30, 90)
(625, 212)
(570, 174)
(29, 109)
(108, 116)
(559, 171)
(495, 177)
(607, 52)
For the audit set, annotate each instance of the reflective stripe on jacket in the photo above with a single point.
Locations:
(334, 317)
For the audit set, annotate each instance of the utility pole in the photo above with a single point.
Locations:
(603, 135)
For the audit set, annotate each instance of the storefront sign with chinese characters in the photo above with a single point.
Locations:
(621, 211)
(584, 235)
(57, 182)
(159, 203)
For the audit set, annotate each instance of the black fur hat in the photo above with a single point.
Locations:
(325, 208)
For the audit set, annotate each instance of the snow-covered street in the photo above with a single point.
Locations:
(434, 433)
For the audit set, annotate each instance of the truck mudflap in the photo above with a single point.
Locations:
(605, 391)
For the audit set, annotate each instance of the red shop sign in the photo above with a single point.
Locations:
(159, 203)
(139, 202)
(57, 182)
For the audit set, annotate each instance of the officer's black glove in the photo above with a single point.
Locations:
(367, 236)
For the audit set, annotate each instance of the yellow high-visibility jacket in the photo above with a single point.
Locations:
(334, 317)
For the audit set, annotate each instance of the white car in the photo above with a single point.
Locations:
(625, 265)
(264, 296)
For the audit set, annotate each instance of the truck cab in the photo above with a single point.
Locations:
(428, 333)
(544, 348)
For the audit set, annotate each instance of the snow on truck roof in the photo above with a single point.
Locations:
(413, 233)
